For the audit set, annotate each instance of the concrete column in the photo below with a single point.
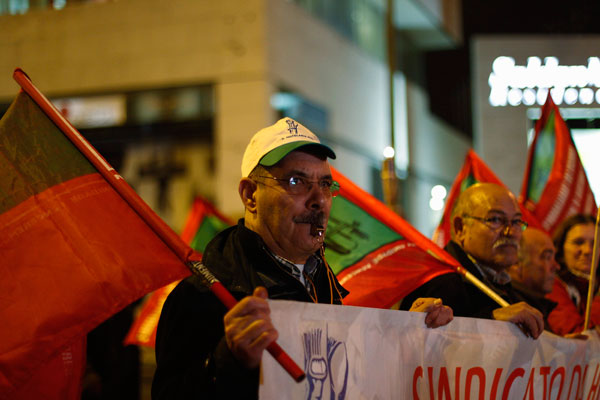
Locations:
(243, 108)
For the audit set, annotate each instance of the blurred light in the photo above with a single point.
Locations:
(571, 96)
(436, 204)
(529, 97)
(524, 84)
(438, 192)
(586, 96)
(388, 152)
(514, 97)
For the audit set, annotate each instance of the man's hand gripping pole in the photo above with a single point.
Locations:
(229, 301)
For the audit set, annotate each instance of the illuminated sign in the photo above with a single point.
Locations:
(514, 85)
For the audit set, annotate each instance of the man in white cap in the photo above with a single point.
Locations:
(275, 251)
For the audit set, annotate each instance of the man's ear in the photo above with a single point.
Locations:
(247, 190)
(458, 226)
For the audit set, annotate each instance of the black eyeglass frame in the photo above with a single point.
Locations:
(512, 223)
(287, 184)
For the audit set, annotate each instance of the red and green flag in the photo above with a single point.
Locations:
(555, 185)
(203, 223)
(376, 255)
(73, 250)
(474, 170)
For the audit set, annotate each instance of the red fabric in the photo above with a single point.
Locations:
(58, 378)
(566, 317)
(386, 275)
(567, 190)
(72, 256)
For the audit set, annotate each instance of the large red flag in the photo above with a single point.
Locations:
(203, 223)
(73, 251)
(555, 185)
(378, 256)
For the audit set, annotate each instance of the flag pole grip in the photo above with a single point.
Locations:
(229, 301)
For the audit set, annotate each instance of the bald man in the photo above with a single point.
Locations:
(486, 227)
(533, 277)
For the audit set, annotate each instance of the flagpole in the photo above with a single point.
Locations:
(594, 267)
(160, 228)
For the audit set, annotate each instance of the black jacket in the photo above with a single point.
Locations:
(193, 360)
(536, 300)
(465, 299)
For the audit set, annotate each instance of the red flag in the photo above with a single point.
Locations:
(203, 223)
(474, 170)
(73, 251)
(378, 256)
(555, 185)
(59, 378)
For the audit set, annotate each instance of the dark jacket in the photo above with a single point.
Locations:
(193, 360)
(465, 299)
(536, 300)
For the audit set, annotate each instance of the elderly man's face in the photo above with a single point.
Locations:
(538, 266)
(287, 220)
(495, 247)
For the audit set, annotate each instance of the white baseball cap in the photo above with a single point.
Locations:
(269, 145)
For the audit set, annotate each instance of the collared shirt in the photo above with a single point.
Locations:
(306, 275)
(498, 277)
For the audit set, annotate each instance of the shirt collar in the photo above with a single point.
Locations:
(498, 277)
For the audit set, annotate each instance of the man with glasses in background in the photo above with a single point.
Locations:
(486, 227)
(275, 251)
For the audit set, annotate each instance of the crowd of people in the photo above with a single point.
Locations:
(276, 251)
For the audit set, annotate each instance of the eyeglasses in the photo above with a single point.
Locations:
(297, 185)
(498, 222)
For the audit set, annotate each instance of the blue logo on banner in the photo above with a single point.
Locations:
(326, 366)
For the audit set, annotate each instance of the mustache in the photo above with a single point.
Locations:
(316, 218)
(503, 241)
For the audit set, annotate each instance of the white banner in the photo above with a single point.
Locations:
(363, 353)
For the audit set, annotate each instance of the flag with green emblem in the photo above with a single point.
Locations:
(555, 185)
(376, 255)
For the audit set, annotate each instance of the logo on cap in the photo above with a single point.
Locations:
(292, 126)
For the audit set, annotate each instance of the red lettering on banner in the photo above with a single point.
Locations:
(561, 371)
(517, 373)
(444, 385)
(544, 371)
(418, 374)
(457, 384)
(495, 384)
(594, 387)
(529, 388)
(581, 383)
(576, 369)
(475, 371)
(430, 374)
